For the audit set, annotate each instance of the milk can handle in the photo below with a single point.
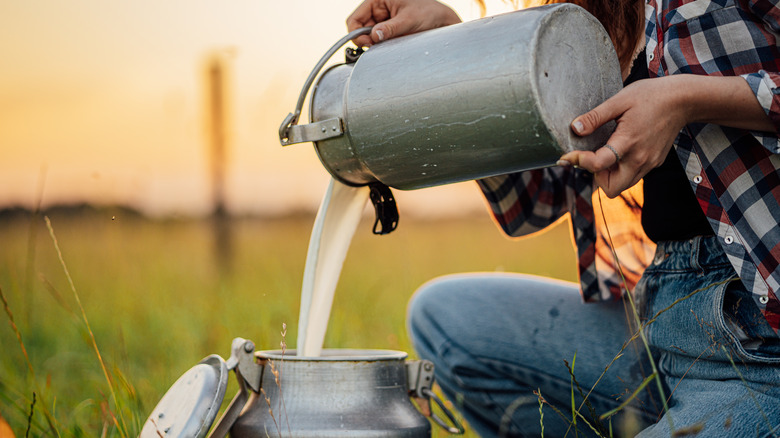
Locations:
(292, 118)
(454, 427)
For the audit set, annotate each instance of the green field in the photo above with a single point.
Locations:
(161, 295)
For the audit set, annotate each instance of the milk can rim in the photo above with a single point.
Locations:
(335, 355)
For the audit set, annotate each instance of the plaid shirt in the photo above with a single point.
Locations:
(734, 173)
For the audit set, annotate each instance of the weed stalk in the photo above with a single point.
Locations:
(50, 419)
(281, 366)
(639, 325)
(30, 417)
(541, 413)
(123, 427)
(750, 391)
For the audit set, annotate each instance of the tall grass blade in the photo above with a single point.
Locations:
(560, 414)
(51, 421)
(30, 417)
(642, 336)
(32, 238)
(16, 332)
(633, 395)
(574, 410)
(541, 413)
(750, 391)
(585, 401)
(123, 428)
(283, 344)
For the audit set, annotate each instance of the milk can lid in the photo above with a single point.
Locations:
(190, 406)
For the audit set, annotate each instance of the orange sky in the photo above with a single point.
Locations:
(105, 100)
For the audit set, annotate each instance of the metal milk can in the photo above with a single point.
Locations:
(356, 393)
(467, 101)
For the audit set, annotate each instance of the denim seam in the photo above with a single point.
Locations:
(705, 268)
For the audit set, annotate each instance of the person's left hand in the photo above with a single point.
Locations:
(649, 115)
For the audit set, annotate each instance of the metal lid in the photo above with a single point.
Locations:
(190, 406)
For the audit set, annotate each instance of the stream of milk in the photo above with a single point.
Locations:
(335, 225)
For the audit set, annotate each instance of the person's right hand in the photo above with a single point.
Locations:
(394, 18)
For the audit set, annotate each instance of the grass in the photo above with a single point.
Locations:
(161, 295)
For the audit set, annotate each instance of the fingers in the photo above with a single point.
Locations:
(383, 31)
(615, 180)
(602, 158)
(389, 19)
(368, 13)
(394, 18)
(605, 162)
(363, 40)
(609, 172)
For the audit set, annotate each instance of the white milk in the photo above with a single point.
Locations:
(334, 226)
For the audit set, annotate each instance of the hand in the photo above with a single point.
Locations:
(394, 18)
(651, 112)
(649, 115)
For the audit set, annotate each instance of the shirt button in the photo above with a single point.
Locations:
(651, 56)
(763, 299)
(729, 240)
(697, 179)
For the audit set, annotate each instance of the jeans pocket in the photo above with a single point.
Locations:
(746, 328)
(641, 295)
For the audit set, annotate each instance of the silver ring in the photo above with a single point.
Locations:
(617, 155)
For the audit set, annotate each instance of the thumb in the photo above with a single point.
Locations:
(394, 27)
(587, 123)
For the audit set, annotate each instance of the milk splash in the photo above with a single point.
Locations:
(334, 227)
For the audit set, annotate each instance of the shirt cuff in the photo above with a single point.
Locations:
(765, 87)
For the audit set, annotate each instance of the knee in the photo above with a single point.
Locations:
(437, 298)
(422, 306)
(431, 312)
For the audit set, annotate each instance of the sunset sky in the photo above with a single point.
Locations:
(103, 102)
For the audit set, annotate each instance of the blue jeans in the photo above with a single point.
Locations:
(513, 351)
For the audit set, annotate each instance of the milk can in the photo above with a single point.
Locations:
(462, 102)
(343, 393)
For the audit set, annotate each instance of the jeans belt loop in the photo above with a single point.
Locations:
(696, 253)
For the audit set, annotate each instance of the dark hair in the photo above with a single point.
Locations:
(623, 20)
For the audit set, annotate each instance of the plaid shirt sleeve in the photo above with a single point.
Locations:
(526, 202)
(766, 84)
(766, 87)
